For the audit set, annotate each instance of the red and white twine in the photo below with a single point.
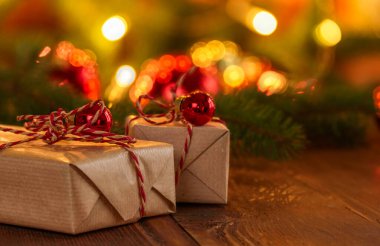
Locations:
(185, 150)
(55, 127)
(170, 115)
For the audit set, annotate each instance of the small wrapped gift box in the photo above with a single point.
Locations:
(75, 187)
(204, 177)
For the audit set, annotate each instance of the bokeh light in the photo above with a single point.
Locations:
(206, 54)
(144, 83)
(125, 75)
(167, 62)
(183, 63)
(44, 52)
(233, 75)
(252, 68)
(202, 57)
(164, 76)
(271, 82)
(231, 48)
(150, 67)
(264, 23)
(376, 99)
(79, 58)
(327, 33)
(64, 49)
(217, 49)
(134, 93)
(114, 28)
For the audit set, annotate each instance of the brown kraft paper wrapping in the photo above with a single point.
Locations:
(75, 187)
(204, 178)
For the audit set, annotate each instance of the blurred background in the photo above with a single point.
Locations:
(295, 73)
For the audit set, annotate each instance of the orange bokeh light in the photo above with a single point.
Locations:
(145, 83)
(78, 58)
(252, 67)
(376, 98)
(167, 62)
(64, 50)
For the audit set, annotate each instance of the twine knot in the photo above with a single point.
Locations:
(56, 127)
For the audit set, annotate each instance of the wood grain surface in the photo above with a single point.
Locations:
(324, 197)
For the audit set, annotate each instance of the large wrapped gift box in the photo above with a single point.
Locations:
(204, 177)
(74, 187)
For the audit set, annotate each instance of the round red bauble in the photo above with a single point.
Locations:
(198, 108)
(104, 122)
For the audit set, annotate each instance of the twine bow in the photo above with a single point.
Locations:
(172, 113)
(55, 127)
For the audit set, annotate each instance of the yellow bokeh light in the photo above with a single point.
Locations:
(232, 52)
(125, 75)
(271, 82)
(233, 75)
(327, 33)
(196, 46)
(202, 57)
(264, 23)
(134, 93)
(144, 83)
(114, 28)
(115, 94)
(217, 49)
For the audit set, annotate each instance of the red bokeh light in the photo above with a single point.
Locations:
(164, 77)
(183, 63)
(167, 62)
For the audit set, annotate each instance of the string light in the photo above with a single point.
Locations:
(263, 22)
(327, 33)
(125, 75)
(114, 28)
(271, 82)
(233, 75)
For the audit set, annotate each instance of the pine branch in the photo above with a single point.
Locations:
(259, 129)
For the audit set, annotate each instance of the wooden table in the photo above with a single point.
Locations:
(325, 197)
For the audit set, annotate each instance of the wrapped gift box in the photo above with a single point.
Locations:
(74, 187)
(204, 178)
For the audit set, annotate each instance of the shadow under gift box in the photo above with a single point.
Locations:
(75, 187)
(204, 178)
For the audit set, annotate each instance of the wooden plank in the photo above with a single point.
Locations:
(355, 178)
(270, 205)
(161, 230)
(323, 198)
(166, 231)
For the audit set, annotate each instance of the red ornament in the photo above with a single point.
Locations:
(198, 108)
(104, 122)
